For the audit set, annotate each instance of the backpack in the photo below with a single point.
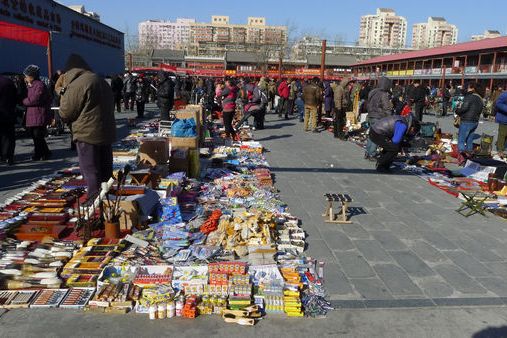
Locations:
(264, 98)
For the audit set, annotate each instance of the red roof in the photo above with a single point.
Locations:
(485, 44)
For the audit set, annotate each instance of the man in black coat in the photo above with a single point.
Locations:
(419, 100)
(117, 88)
(8, 100)
(165, 95)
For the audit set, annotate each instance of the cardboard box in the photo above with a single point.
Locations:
(154, 151)
(184, 142)
(179, 160)
(130, 217)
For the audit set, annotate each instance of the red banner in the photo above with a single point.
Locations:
(23, 34)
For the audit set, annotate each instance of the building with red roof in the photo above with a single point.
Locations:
(484, 61)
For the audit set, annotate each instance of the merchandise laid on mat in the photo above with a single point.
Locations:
(478, 178)
(190, 224)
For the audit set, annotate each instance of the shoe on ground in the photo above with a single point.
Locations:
(315, 131)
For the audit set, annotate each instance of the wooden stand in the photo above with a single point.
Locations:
(341, 217)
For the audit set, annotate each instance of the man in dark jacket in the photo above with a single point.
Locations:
(378, 106)
(165, 95)
(469, 113)
(419, 99)
(129, 91)
(389, 133)
(446, 97)
(87, 102)
(117, 88)
(312, 96)
(501, 119)
(8, 100)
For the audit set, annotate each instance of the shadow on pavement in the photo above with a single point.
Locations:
(274, 137)
(337, 171)
(492, 332)
(280, 125)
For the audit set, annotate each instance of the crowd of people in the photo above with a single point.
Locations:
(393, 111)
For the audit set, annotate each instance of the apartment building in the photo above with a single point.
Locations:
(488, 34)
(436, 32)
(165, 34)
(384, 29)
(219, 35)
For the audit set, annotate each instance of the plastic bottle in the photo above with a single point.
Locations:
(179, 307)
(171, 309)
(162, 311)
(153, 312)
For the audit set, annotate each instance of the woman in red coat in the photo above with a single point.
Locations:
(37, 105)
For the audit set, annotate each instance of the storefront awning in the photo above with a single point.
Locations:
(15, 32)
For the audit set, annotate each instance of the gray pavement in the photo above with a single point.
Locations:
(409, 249)
(408, 266)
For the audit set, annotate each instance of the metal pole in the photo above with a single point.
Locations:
(50, 56)
(130, 61)
(493, 66)
(443, 77)
(464, 69)
(280, 63)
(323, 60)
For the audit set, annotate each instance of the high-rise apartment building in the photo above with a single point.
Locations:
(384, 29)
(434, 33)
(220, 35)
(165, 34)
(488, 34)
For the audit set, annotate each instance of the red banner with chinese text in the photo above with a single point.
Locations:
(15, 32)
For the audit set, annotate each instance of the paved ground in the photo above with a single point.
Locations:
(408, 267)
(410, 248)
(25, 172)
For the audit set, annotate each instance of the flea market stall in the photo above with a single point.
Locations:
(191, 224)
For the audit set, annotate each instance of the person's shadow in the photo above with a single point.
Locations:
(492, 332)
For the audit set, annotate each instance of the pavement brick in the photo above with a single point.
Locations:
(438, 241)
(412, 264)
(318, 248)
(373, 251)
(479, 251)
(458, 279)
(388, 240)
(486, 240)
(402, 230)
(435, 288)
(427, 252)
(337, 240)
(336, 281)
(499, 268)
(495, 284)
(355, 231)
(354, 265)
(469, 264)
(371, 288)
(396, 280)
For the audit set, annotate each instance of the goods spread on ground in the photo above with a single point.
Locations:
(188, 226)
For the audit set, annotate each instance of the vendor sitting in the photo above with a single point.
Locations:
(388, 133)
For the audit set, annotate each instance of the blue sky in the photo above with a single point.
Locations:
(331, 19)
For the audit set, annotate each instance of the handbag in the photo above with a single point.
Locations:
(457, 121)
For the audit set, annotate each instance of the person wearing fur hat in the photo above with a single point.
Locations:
(37, 103)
